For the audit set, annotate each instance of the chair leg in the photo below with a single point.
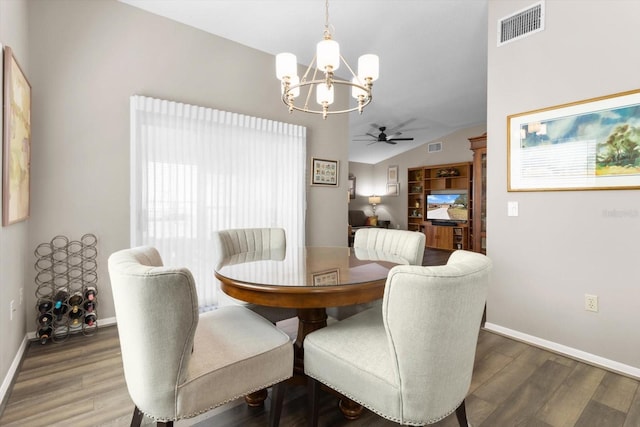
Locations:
(461, 414)
(277, 397)
(137, 417)
(313, 394)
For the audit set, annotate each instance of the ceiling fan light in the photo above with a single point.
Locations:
(328, 55)
(368, 67)
(324, 94)
(286, 65)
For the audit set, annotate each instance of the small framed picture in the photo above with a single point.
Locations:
(393, 189)
(392, 175)
(324, 172)
(352, 187)
(326, 278)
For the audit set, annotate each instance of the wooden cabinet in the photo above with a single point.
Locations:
(447, 237)
(448, 179)
(478, 145)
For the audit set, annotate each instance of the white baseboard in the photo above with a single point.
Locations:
(589, 358)
(13, 370)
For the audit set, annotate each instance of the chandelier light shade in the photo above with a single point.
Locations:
(326, 60)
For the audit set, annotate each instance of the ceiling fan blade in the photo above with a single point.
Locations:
(389, 141)
(393, 136)
(366, 140)
(372, 142)
(400, 139)
(372, 135)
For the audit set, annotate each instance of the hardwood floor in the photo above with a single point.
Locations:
(80, 382)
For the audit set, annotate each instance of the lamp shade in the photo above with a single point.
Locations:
(324, 94)
(286, 65)
(328, 54)
(356, 91)
(369, 67)
(374, 200)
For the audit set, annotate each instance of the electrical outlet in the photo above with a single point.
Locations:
(591, 302)
(11, 309)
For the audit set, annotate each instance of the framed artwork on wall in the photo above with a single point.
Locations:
(393, 189)
(324, 172)
(392, 175)
(16, 142)
(586, 145)
(352, 187)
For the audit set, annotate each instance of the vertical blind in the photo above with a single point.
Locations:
(195, 170)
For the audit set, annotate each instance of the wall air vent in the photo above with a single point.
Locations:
(521, 24)
(434, 147)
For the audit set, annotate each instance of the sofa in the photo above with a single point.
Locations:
(357, 220)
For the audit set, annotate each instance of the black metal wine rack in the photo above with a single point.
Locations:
(66, 288)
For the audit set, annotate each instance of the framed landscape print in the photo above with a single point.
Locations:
(324, 172)
(587, 145)
(16, 142)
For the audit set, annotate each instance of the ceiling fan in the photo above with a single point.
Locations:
(383, 137)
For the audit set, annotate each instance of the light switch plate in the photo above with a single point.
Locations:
(512, 208)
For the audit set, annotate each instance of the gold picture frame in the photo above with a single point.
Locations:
(592, 144)
(16, 141)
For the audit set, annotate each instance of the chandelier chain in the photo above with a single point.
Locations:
(327, 31)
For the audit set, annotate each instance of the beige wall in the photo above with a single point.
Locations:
(15, 260)
(562, 245)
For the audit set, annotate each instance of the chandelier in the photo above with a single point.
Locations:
(327, 61)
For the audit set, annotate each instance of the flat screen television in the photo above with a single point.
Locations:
(452, 207)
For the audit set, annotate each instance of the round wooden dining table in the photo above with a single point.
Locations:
(309, 279)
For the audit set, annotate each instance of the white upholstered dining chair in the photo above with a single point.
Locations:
(254, 244)
(177, 363)
(410, 361)
(399, 246)
(408, 245)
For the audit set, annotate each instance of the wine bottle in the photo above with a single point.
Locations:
(90, 293)
(60, 303)
(90, 306)
(75, 300)
(44, 319)
(44, 305)
(90, 319)
(75, 315)
(44, 334)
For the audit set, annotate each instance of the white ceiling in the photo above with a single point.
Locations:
(433, 55)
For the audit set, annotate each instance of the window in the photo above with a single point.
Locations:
(195, 170)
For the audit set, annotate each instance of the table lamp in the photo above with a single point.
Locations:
(373, 201)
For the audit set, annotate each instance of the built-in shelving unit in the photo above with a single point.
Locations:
(440, 179)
